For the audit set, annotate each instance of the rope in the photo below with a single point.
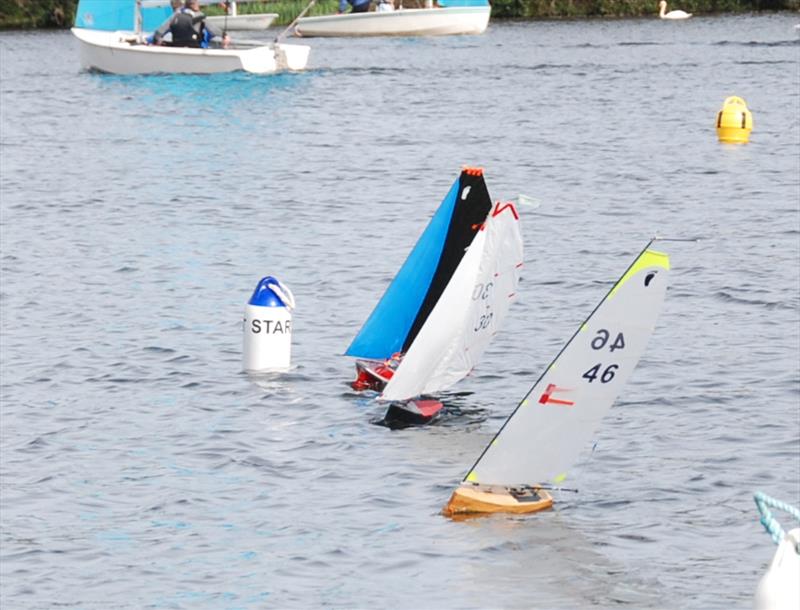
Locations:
(296, 19)
(284, 294)
(763, 502)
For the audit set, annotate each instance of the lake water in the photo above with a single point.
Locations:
(142, 469)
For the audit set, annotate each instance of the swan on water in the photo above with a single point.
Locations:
(662, 12)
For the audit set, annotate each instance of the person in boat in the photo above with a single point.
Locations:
(385, 6)
(188, 27)
(359, 6)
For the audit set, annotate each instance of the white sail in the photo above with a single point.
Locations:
(544, 435)
(467, 315)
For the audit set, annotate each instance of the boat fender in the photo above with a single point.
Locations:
(779, 588)
(268, 327)
(734, 121)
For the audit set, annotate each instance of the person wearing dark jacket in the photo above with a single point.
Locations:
(188, 28)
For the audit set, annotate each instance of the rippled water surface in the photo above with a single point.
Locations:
(142, 469)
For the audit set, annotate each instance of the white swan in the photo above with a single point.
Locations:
(662, 12)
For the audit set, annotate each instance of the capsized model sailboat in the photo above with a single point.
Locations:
(557, 417)
(445, 304)
(233, 21)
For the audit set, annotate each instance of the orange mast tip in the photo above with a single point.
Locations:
(473, 171)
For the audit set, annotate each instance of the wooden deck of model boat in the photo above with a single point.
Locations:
(469, 499)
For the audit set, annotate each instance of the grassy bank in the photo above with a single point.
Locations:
(61, 13)
(543, 9)
(287, 9)
(37, 13)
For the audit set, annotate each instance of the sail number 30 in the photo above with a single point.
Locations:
(483, 292)
(599, 342)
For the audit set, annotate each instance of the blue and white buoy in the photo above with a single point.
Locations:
(268, 327)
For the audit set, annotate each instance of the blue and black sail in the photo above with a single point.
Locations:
(417, 287)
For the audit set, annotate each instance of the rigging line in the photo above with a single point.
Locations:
(138, 20)
(296, 19)
(547, 368)
(552, 488)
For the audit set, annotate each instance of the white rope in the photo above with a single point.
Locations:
(284, 294)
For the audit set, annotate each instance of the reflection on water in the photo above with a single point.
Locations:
(194, 93)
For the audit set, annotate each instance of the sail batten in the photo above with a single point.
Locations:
(557, 417)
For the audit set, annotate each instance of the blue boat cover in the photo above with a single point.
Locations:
(386, 328)
(450, 3)
(111, 15)
(265, 296)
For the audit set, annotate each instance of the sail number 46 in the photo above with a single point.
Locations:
(606, 376)
(599, 342)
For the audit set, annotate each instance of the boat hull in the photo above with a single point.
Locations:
(473, 500)
(373, 374)
(402, 22)
(112, 52)
(412, 413)
(242, 23)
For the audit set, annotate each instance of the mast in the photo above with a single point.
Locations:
(137, 20)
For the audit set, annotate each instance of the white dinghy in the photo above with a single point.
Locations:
(118, 46)
(558, 416)
(438, 21)
(234, 22)
(242, 23)
(122, 53)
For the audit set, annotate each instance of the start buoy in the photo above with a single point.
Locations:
(734, 121)
(268, 327)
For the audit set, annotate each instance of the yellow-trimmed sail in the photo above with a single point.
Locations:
(648, 258)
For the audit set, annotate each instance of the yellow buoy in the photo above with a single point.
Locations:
(734, 121)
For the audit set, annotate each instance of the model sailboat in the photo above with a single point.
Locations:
(445, 304)
(560, 413)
